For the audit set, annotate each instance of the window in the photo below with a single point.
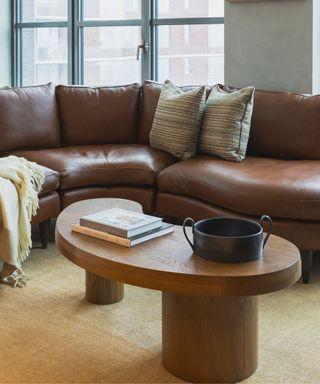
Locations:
(41, 51)
(44, 55)
(188, 26)
(95, 42)
(43, 10)
(111, 9)
(109, 43)
(109, 55)
(190, 8)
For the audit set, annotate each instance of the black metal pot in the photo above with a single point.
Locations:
(228, 240)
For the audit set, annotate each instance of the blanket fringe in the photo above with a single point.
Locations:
(28, 178)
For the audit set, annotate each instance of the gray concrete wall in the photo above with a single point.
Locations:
(269, 44)
(5, 48)
(316, 46)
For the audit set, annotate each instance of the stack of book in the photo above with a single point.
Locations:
(120, 226)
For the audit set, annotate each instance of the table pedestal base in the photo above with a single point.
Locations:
(103, 291)
(209, 339)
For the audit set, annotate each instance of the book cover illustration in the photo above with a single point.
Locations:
(122, 218)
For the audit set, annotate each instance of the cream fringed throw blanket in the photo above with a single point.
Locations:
(20, 183)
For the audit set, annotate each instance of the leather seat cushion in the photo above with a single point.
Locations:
(81, 166)
(77, 166)
(135, 164)
(144, 196)
(280, 188)
(303, 233)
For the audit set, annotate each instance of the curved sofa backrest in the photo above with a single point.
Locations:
(285, 125)
(29, 118)
(99, 115)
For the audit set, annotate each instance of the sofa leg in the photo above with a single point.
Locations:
(44, 228)
(306, 258)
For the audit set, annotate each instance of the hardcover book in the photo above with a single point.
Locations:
(164, 229)
(121, 222)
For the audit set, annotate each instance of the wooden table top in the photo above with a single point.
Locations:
(168, 263)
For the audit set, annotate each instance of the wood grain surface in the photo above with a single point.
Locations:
(168, 263)
(209, 339)
(103, 291)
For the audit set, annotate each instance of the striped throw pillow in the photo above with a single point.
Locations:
(177, 120)
(226, 123)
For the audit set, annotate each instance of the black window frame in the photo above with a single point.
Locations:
(75, 24)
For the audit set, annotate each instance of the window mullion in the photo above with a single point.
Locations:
(180, 49)
(14, 44)
(76, 42)
(146, 36)
(43, 24)
(153, 45)
(70, 43)
(189, 21)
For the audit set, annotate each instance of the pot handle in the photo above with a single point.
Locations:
(265, 218)
(185, 232)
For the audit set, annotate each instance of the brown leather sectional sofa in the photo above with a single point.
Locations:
(94, 142)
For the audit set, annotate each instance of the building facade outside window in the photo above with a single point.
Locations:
(94, 42)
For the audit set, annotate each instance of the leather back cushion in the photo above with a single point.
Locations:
(150, 97)
(285, 125)
(29, 118)
(102, 115)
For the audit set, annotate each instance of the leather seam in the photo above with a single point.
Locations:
(67, 173)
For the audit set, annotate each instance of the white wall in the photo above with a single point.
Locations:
(273, 45)
(5, 49)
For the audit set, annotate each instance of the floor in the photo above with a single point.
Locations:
(50, 334)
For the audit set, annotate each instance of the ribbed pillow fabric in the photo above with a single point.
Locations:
(226, 123)
(177, 120)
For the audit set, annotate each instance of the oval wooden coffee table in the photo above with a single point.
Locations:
(209, 310)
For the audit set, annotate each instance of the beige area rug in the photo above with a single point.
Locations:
(50, 334)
